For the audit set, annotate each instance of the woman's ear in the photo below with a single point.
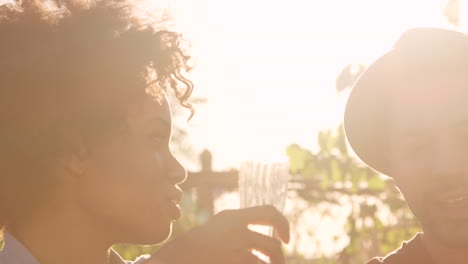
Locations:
(72, 160)
(74, 163)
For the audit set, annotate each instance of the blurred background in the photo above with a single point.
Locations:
(271, 78)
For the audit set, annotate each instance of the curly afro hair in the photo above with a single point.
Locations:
(74, 64)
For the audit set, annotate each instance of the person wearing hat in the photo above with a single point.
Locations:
(407, 118)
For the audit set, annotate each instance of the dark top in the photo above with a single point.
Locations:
(411, 252)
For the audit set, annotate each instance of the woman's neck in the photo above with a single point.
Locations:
(62, 237)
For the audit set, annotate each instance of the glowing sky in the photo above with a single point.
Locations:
(268, 68)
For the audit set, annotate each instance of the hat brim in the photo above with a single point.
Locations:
(365, 123)
(424, 52)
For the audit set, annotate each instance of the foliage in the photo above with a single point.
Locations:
(452, 12)
(348, 76)
(378, 219)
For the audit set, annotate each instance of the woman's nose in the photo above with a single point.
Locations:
(177, 172)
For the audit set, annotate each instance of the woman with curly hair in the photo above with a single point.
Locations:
(84, 144)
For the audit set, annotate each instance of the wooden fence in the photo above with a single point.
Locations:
(205, 181)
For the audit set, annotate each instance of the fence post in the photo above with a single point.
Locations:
(205, 190)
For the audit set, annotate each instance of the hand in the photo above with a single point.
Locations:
(226, 239)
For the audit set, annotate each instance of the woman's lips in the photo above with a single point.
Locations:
(173, 198)
(173, 209)
(173, 193)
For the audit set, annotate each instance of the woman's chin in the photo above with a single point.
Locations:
(155, 235)
(148, 230)
(146, 234)
(164, 236)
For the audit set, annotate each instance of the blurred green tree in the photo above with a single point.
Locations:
(377, 217)
(452, 12)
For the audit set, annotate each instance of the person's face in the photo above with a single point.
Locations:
(129, 185)
(428, 146)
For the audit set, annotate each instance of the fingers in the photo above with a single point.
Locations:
(266, 245)
(265, 215)
(234, 224)
(249, 258)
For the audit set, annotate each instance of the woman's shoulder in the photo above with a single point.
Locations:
(14, 252)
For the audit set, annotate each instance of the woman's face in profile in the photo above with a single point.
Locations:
(128, 187)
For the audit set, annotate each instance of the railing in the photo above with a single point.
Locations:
(205, 181)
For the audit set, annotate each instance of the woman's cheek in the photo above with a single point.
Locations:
(159, 160)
